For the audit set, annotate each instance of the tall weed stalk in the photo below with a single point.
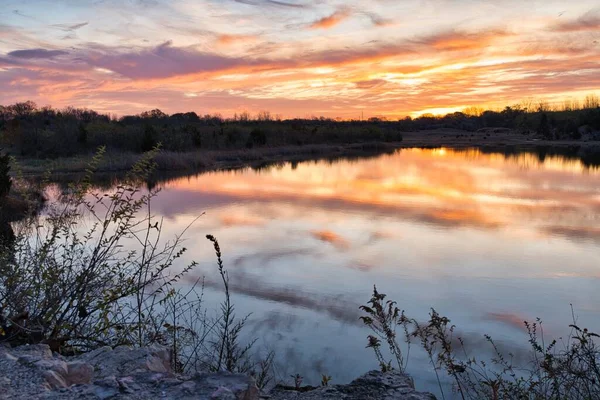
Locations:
(558, 369)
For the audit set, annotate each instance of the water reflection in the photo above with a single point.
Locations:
(434, 187)
(486, 239)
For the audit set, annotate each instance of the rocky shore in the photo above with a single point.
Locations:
(34, 372)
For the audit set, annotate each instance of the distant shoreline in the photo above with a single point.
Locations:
(197, 161)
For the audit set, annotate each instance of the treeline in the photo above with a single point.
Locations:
(570, 121)
(27, 130)
(32, 131)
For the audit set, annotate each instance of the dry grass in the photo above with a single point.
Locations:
(202, 160)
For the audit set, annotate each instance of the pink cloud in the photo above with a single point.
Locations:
(331, 20)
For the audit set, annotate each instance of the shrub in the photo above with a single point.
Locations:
(115, 283)
(257, 138)
(566, 370)
(5, 180)
(195, 134)
(544, 127)
(77, 290)
(392, 136)
(82, 136)
(148, 139)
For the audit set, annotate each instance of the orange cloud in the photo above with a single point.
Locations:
(226, 39)
(512, 320)
(332, 238)
(331, 20)
(456, 217)
(240, 220)
(456, 40)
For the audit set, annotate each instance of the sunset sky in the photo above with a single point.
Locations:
(297, 58)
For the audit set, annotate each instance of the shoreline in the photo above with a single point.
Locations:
(200, 161)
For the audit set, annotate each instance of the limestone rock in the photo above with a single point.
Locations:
(55, 380)
(34, 373)
(124, 360)
(79, 373)
(375, 385)
(222, 386)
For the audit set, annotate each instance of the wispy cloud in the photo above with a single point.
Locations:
(264, 258)
(161, 61)
(459, 40)
(339, 308)
(70, 27)
(331, 237)
(576, 234)
(22, 14)
(587, 22)
(36, 53)
(378, 20)
(272, 3)
(512, 320)
(370, 84)
(228, 39)
(331, 20)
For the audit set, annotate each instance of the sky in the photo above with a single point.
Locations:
(297, 58)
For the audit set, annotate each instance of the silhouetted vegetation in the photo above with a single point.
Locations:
(30, 131)
(95, 271)
(566, 368)
(5, 179)
(562, 123)
(6, 233)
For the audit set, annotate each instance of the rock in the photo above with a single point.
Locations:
(58, 366)
(20, 377)
(393, 385)
(187, 388)
(79, 373)
(39, 351)
(127, 385)
(124, 360)
(241, 386)
(104, 392)
(109, 382)
(55, 380)
(9, 357)
(34, 373)
(223, 393)
(105, 388)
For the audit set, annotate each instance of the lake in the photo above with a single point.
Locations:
(486, 239)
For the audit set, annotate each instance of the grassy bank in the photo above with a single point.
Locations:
(198, 161)
(506, 142)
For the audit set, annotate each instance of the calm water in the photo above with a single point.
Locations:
(487, 241)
